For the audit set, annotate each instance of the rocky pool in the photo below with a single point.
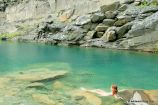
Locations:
(87, 67)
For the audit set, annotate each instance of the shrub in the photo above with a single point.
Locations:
(145, 3)
(9, 35)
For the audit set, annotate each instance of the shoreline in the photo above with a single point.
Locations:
(115, 49)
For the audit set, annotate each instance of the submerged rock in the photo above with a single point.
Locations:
(36, 85)
(58, 85)
(39, 76)
(91, 99)
(43, 99)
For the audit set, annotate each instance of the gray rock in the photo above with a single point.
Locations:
(132, 11)
(97, 17)
(59, 37)
(110, 14)
(76, 35)
(136, 3)
(93, 26)
(89, 35)
(143, 16)
(83, 20)
(121, 31)
(101, 28)
(94, 43)
(2, 6)
(87, 26)
(123, 7)
(53, 28)
(123, 20)
(111, 7)
(99, 34)
(110, 34)
(145, 27)
(108, 22)
(149, 9)
(128, 1)
(141, 41)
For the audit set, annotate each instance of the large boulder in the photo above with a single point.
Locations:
(123, 20)
(83, 20)
(90, 35)
(108, 22)
(111, 7)
(98, 17)
(101, 28)
(149, 9)
(131, 97)
(121, 31)
(123, 7)
(110, 34)
(58, 37)
(111, 14)
(142, 33)
(145, 27)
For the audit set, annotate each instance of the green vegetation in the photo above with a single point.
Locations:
(10, 35)
(145, 3)
(21, 30)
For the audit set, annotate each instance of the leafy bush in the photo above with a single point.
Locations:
(145, 3)
(9, 35)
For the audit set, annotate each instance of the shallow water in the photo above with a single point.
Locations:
(88, 67)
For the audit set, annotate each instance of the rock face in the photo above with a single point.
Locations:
(144, 27)
(81, 22)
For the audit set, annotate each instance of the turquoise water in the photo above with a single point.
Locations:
(88, 67)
